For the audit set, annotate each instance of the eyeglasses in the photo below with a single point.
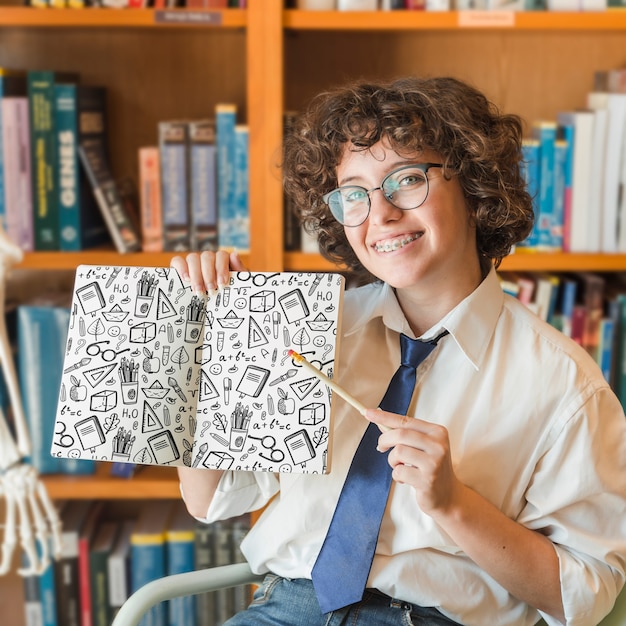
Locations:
(406, 188)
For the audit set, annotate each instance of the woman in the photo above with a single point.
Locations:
(509, 468)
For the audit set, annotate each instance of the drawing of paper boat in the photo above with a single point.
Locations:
(115, 314)
(155, 390)
(320, 323)
(230, 320)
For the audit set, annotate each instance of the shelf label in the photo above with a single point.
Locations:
(204, 18)
(486, 19)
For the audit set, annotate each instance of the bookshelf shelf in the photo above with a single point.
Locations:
(451, 20)
(121, 18)
(531, 262)
(71, 260)
(147, 483)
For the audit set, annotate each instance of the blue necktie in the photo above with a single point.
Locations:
(344, 562)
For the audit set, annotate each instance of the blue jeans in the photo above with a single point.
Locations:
(284, 602)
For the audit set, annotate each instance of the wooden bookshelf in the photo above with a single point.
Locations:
(148, 482)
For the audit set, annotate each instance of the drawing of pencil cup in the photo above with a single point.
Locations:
(130, 392)
(193, 323)
(237, 439)
(142, 305)
(239, 423)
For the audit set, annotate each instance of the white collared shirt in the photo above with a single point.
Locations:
(533, 428)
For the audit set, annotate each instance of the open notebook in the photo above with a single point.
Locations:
(154, 374)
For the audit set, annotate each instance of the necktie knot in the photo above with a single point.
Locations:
(414, 351)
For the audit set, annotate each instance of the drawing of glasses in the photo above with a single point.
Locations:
(258, 280)
(320, 365)
(108, 354)
(269, 443)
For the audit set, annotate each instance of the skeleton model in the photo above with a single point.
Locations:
(28, 506)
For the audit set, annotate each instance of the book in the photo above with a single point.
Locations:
(115, 214)
(16, 156)
(291, 223)
(597, 103)
(577, 208)
(42, 336)
(47, 593)
(148, 555)
(166, 377)
(204, 558)
(203, 184)
(12, 84)
(180, 538)
(174, 152)
(531, 171)
(85, 539)
(225, 122)
(604, 356)
(33, 609)
(614, 151)
(239, 228)
(118, 567)
(224, 598)
(150, 207)
(66, 572)
(545, 132)
(80, 113)
(101, 548)
(561, 165)
(44, 155)
(591, 294)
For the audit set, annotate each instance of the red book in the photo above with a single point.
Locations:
(85, 538)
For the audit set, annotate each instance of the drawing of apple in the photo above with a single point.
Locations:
(151, 364)
(286, 406)
(77, 392)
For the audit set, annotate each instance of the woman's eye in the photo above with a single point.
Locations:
(357, 195)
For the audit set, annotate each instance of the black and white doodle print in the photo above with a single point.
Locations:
(156, 374)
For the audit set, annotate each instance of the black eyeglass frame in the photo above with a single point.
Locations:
(424, 167)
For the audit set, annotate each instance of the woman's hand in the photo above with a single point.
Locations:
(420, 457)
(207, 271)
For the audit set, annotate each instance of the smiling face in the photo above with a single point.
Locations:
(432, 247)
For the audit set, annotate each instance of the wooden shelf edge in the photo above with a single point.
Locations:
(71, 260)
(521, 261)
(453, 20)
(147, 483)
(101, 17)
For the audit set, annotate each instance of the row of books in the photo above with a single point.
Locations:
(104, 560)
(576, 169)
(57, 191)
(588, 307)
(194, 185)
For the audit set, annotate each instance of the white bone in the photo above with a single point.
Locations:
(27, 501)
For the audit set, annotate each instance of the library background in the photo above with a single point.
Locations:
(142, 96)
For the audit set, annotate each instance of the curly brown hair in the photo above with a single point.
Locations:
(478, 144)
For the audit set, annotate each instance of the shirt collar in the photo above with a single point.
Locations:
(471, 323)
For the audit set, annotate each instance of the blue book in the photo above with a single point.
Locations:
(47, 592)
(561, 155)
(42, 337)
(225, 122)
(173, 147)
(148, 554)
(605, 347)
(531, 172)
(545, 132)
(180, 541)
(80, 112)
(12, 83)
(44, 155)
(240, 226)
(203, 183)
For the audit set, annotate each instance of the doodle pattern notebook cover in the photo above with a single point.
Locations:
(156, 375)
